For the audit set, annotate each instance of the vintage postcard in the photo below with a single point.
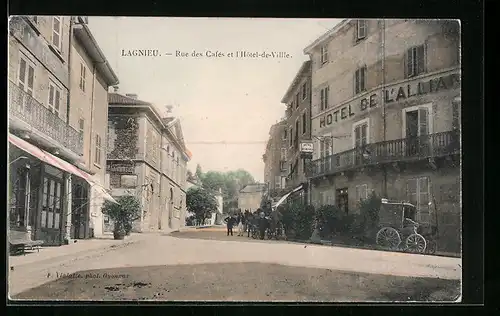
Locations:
(234, 159)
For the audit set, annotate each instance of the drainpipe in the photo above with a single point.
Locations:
(92, 116)
(70, 48)
(383, 101)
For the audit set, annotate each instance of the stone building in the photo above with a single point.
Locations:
(147, 158)
(386, 118)
(250, 197)
(46, 146)
(298, 120)
(275, 158)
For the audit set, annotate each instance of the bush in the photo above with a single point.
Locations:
(369, 210)
(298, 220)
(123, 214)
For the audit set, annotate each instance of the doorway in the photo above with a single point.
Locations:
(417, 132)
(343, 200)
(79, 211)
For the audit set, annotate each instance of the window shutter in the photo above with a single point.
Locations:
(423, 121)
(424, 198)
(364, 140)
(356, 82)
(362, 79)
(425, 48)
(31, 80)
(326, 96)
(322, 99)
(409, 63)
(411, 191)
(56, 101)
(357, 137)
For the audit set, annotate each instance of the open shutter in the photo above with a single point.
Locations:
(364, 132)
(409, 63)
(420, 59)
(57, 101)
(423, 121)
(362, 85)
(411, 191)
(357, 136)
(31, 80)
(322, 99)
(356, 82)
(423, 200)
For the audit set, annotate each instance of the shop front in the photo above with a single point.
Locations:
(41, 194)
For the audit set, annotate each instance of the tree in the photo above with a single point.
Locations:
(201, 202)
(123, 214)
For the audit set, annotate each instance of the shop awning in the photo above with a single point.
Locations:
(58, 163)
(284, 197)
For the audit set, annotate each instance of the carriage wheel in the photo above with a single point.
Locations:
(388, 237)
(416, 243)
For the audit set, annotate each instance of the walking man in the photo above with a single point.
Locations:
(230, 223)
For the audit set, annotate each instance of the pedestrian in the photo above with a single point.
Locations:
(230, 223)
(239, 221)
(263, 222)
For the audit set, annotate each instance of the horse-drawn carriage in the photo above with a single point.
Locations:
(397, 223)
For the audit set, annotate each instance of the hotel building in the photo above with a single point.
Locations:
(386, 118)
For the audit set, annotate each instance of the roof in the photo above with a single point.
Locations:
(253, 188)
(306, 67)
(325, 36)
(116, 98)
(167, 120)
(84, 35)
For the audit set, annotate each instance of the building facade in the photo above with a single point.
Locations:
(45, 149)
(250, 197)
(275, 159)
(91, 77)
(298, 118)
(386, 118)
(147, 158)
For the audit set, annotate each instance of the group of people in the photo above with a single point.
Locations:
(246, 221)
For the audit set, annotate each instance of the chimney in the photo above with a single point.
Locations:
(132, 95)
(115, 89)
(169, 108)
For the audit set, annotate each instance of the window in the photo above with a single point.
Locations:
(283, 153)
(282, 166)
(98, 150)
(297, 132)
(83, 75)
(26, 76)
(304, 91)
(81, 126)
(361, 29)
(325, 148)
(54, 98)
(297, 101)
(343, 200)
(284, 134)
(415, 61)
(360, 80)
(324, 98)
(418, 193)
(51, 203)
(361, 137)
(277, 182)
(324, 54)
(304, 122)
(291, 137)
(56, 31)
(416, 121)
(361, 192)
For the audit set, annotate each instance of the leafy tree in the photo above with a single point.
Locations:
(123, 214)
(200, 202)
(230, 183)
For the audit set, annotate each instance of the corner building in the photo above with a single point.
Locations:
(386, 118)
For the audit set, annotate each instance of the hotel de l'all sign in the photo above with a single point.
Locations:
(393, 93)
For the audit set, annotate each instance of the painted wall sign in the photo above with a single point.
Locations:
(396, 94)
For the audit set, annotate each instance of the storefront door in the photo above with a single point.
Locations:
(79, 211)
(51, 214)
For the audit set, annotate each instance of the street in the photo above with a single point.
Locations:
(161, 267)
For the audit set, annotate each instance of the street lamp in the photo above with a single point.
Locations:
(18, 158)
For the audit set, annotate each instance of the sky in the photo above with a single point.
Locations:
(217, 99)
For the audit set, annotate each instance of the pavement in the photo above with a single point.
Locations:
(172, 253)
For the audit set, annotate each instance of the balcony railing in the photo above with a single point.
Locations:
(406, 149)
(24, 107)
